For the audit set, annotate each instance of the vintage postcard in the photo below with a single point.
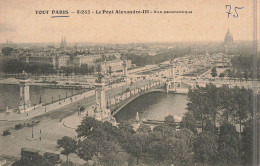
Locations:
(129, 83)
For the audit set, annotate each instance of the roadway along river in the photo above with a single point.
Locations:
(10, 95)
(155, 106)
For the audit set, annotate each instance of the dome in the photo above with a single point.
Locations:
(228, 37)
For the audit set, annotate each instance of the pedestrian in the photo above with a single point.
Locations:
(27, 114)
(40, 131)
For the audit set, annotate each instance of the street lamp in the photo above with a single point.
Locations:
(32, 130)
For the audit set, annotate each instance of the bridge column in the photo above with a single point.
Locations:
(101, 112)
(24, 96)
(125, 74)
(172, 70)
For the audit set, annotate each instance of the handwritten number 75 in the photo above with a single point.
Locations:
(229, 8)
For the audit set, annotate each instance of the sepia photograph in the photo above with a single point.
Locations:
(129, 83)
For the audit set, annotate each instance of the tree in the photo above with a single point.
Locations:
(113, 133)
(111, 159)
(241, 103)
(7, 50)
(86, 149)
(189, 122)
(158, 149)
(212, 102)
(180, 147)
(178, 151)
(214, 72)
(247, 144)
(136, 144)
(197, 104)
(68, 144)
(228, 145)
(87, 126)
(221, 75)
(165, 130)
(143, 128)
(169, 120)
(186, 135)
(205, 147)
(156, 136)
(226, 107)
(126, 127)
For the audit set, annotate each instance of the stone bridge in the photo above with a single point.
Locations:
(117, 103)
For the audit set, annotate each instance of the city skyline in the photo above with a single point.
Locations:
(23, 25)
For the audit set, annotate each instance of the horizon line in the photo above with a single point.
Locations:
(84, 42)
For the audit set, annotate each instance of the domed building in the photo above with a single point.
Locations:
(228, 38)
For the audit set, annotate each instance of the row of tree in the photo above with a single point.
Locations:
(211, 108)
(163, 144)
(243, 66)
(232, 74)
(245, 62)
(83, 69)
(210, 104)
(14, 66)
(145, 59)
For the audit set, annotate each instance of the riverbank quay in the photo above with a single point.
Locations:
(13, 116)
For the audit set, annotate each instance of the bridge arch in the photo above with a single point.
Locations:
(116, 109)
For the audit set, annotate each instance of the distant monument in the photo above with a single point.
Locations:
(228, 38)
(228, 43)
(63, 43)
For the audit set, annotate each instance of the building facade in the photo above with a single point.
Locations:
(82, 59)
(56, 61)
(115, 65)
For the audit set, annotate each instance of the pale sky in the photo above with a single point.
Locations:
(208, 22)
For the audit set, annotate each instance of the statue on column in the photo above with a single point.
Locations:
(99, 78)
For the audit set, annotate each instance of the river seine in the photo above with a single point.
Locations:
(154, 106)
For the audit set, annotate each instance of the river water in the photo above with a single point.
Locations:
(154, 106)
(10, 95)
